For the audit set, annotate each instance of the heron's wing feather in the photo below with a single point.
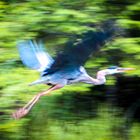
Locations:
(76, 54)
(34, 56)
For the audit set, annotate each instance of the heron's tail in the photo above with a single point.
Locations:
(39, 81)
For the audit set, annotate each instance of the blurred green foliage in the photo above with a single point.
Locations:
(43, 19)
(56, 21)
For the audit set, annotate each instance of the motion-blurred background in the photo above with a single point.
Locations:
(80, 111)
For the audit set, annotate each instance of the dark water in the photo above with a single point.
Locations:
(103, 113)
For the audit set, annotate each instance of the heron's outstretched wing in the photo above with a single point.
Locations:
(34, 56)
(76, 54)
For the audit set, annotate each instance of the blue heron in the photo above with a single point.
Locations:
(67, 67)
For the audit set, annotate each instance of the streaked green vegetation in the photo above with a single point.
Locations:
(57, 21)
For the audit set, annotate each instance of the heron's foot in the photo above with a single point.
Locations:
(20, 113)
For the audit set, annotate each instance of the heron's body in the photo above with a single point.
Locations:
(64, 76)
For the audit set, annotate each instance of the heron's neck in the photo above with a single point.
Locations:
(101, 79)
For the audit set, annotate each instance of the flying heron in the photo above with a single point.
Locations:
(67, 67)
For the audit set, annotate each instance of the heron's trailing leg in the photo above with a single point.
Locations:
(23, 111)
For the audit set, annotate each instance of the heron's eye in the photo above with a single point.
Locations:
(119, 69)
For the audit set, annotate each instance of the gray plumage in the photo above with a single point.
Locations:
(67, 65)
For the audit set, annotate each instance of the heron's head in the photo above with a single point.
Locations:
(116, 69)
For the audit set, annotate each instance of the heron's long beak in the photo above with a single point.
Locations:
(125, 69)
